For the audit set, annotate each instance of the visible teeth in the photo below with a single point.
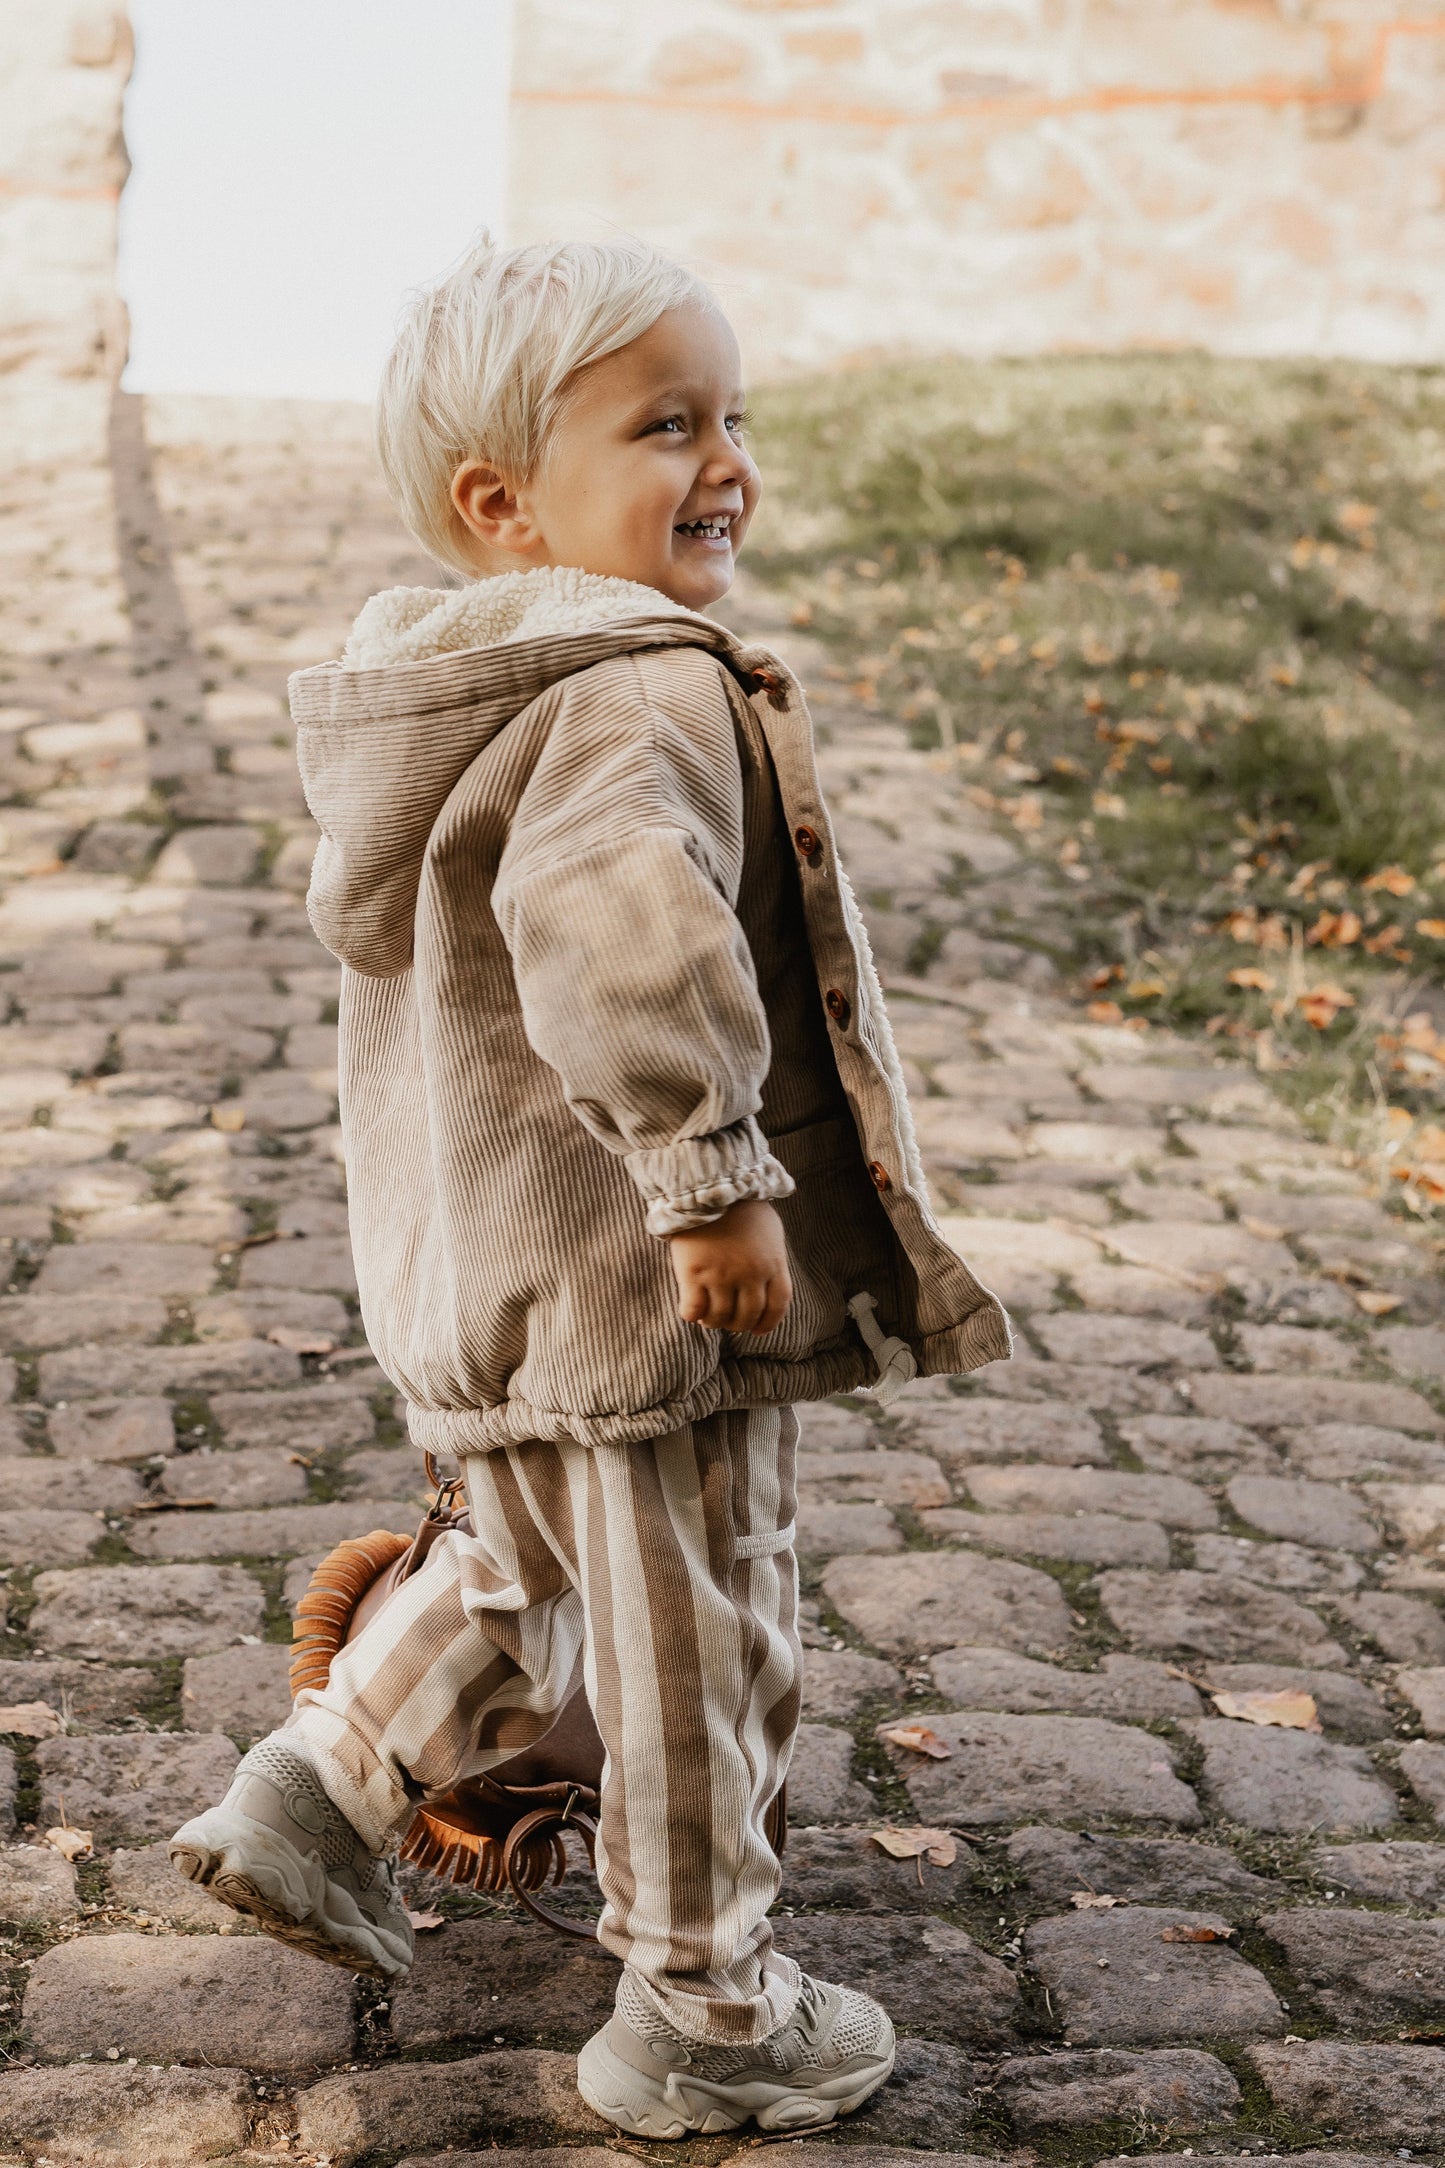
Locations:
(718, 526)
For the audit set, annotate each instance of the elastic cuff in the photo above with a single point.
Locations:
(693, 1182)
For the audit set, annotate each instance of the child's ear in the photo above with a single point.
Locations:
(488, 507)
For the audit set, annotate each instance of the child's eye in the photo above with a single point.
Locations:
(669, 421)
(737, 423)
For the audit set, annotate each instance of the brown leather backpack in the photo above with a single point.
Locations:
(504, 1829)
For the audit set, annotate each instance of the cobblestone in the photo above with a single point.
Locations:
(924, 1601)
(119, 2117)
(195, 1999)
(1213, 1614)
(1205, 1460)
(37, 1886)
(1125, 1686)
(136, 1785)
(843, 1870)
(1278, 1780)
(1136, 1870)
(1004, 1767)
(1395, 2093)
(1366, 1969)
(108, 1611)
(1171, 2089)
(1117, 1982)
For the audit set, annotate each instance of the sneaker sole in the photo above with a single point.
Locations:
(684, 2106)
(255, 1872)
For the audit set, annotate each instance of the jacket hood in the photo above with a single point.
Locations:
(427, 678)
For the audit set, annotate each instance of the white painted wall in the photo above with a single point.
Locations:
(298, 165)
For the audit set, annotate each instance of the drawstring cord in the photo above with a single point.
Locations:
(895, 1359)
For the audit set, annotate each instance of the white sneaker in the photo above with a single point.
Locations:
(277, 1849)
(834, 2051)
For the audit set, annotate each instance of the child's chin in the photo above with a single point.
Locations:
(701, 584)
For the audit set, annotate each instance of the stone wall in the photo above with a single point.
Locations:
(63, 69)
(994, 176)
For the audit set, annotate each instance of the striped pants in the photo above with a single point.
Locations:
(665, 1573)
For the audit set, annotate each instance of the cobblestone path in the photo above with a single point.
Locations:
(1214, 1471)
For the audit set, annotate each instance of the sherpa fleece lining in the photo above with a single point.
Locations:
(410, 624)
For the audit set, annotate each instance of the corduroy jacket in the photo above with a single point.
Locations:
(603, 976)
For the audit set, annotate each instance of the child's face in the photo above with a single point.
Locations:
(646, 476)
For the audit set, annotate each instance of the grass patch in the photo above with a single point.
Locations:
(1178, 621)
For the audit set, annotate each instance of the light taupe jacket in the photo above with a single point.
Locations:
(604, 976)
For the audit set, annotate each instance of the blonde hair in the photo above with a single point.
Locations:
(483, 361)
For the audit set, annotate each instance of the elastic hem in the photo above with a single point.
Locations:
(766, 1178)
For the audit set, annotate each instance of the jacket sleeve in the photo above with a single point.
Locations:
(615, 896)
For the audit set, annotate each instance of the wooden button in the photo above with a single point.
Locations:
(882, 1179)
(838, 1007)
(808, 841)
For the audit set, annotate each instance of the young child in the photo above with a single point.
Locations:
(631, 1170)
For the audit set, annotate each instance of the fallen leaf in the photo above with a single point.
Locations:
(1393, 879)
(1432, 928)
(29, 1719)
(423, 1922)
(1144, 989)
(1109, 805)
(1262, 1230)
(300, 1342)
(1196, 1934)
(1374, 1304)
(1086, 1900)
(1356, 518)
(72, 1844)
(228, 1115)
(1335, 929)
(934, 1845)
(1284, 1706)
(1251, 975)
(1104, 1012)
(917, 1738)
(1322, 1004)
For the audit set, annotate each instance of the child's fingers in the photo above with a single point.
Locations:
(694, 1300)
(775, 1308)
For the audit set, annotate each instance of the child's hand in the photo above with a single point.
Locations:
(733, 1273)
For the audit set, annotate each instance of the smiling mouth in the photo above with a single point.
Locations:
(715, 528)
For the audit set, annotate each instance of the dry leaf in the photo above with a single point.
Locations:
(1284, 1706)
(1356, 518)
(72, 1844)
(1104, 1012)
(1393, 879)
(1323, 1003)
(1263, 1230)
(1086, 1900)
(228, 1115)
(1374, 1304)
(1196, 1934)
(29, 1719)
(1432, 928)
(423, 1922)
(917, 1738)
(934, 1845)
(1335, 929)
(1251, 975)
(300, 1342)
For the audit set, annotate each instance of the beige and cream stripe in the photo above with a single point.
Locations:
(664, 1570)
